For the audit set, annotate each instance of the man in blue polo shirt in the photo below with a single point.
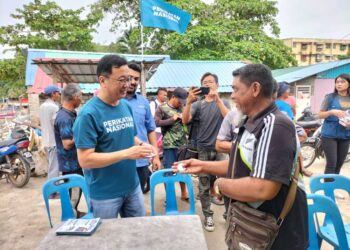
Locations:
(145, 124)
(66, 150)
(107, 146)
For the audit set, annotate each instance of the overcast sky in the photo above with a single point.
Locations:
(296, 18)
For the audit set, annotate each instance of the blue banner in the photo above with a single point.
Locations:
(156, 13)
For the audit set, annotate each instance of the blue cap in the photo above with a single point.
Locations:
(51, 89)
(282, 88)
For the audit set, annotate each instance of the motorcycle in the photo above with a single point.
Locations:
(309, 121)
(13, 165)
(312, 149)
(27, 133)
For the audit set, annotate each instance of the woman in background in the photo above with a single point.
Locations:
(335, 134)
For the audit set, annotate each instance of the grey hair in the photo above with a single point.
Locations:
(70, 91)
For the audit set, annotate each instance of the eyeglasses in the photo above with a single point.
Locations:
(120, 80)
(207, 82)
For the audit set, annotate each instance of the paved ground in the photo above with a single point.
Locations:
(24, 223)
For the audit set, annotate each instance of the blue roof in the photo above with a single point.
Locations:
(185, 74)
(303, 72)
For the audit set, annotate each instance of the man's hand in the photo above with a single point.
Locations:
(193, 95)
(139, 152)
(156, 165)
(176, 116)
(192, 166)
(214, 95)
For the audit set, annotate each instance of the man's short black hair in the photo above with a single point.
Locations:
(257, 73)
(210, 74)
(108, 62)
(134, 66)
(161, 89)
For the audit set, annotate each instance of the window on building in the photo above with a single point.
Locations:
(334, 46)
(318, 57)
(294, 44)
(328, 45)
(319, 47)
(304, 46)
(303, 58)
(343, 47)
(303, 91)
(327, 58)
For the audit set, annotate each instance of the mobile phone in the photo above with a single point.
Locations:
(204, 90)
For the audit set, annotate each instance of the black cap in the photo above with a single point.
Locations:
(181, 94)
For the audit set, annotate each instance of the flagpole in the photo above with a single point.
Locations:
(143, 78)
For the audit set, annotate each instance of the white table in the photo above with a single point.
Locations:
(147, 233)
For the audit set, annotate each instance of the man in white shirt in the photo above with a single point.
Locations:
(162, 96)
(48, 112)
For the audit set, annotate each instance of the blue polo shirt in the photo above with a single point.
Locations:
(285, 108)
(67, 159)
(107, 128)
(143, 119)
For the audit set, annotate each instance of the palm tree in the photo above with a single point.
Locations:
(129, 43)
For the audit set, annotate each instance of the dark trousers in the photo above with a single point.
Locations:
(143, 173)
(75, 193)
(335, 151)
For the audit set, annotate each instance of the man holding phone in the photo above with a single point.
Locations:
(209, 112)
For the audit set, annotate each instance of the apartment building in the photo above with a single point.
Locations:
(313, 50)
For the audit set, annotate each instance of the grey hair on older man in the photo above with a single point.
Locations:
(69, 91)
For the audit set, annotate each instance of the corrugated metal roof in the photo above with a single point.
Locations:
(79, 63)
(280, 72)
(307, 71)
(179, 73)
(33, 73)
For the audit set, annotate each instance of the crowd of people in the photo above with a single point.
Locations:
(112, 142)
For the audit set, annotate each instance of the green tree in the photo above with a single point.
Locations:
(12, 76)
(223, 30)
(42, 25)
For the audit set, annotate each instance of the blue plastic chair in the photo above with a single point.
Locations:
(169, 178)
(334, 181)
(61, 185)
(336, 237)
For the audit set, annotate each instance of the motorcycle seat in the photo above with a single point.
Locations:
(7, 143)
(309, 124)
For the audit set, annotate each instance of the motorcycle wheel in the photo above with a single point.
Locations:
(21, 174)
(308, 154)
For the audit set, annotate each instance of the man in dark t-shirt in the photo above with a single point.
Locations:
(267, 146)
(63, 127)
(209, 114)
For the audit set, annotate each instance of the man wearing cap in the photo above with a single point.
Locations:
(48, 112)
(168, 116)
(282, 95)
(145, 125)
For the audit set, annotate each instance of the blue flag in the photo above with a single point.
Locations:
(156, 13)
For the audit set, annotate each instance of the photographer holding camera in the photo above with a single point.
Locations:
(209, 112)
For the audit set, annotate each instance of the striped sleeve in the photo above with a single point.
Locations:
(275, 150)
